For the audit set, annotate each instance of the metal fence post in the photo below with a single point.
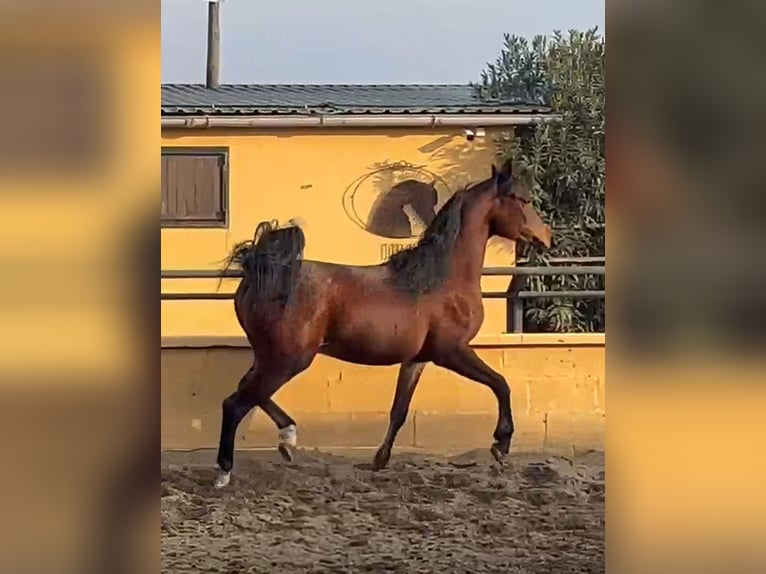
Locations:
(515, 310)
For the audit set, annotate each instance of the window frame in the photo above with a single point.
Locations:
(216, 151)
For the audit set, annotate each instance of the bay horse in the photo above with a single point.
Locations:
(422, 305)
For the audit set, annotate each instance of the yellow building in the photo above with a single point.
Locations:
(364, 168)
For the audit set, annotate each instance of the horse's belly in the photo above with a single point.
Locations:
(374, 343)
(362, 355)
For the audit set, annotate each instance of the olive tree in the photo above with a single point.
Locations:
(563, 160)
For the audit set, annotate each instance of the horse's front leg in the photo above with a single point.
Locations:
(465, 362)
(409, 375)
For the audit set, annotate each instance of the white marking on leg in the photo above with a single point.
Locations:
(288, 435)
(222, 479)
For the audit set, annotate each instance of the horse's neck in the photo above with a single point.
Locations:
(470, 247)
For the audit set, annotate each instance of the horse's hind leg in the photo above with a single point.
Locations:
(234, 408)
(407, 380)
(255, 388)
(464, 361)
(288, 433)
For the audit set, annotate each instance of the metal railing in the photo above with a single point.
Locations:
(515, 295)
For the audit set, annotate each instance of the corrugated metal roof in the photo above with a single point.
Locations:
(275, 99)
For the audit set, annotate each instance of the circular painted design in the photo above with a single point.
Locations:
(397, 201)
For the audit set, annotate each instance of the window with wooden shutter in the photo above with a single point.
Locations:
(194, 187)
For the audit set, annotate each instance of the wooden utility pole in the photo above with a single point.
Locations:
(213, 43)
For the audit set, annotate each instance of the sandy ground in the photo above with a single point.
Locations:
(326, 513)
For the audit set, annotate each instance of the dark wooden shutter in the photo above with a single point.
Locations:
(192, 188)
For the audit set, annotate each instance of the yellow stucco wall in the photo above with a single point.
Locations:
(303, 174)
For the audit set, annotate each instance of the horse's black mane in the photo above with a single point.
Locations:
(424, 266)
(270, 261)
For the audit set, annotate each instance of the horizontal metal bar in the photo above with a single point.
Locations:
(487, 272)
(487, 295)
(195, 296)
(592, 294)
(198, 274)
(569, 270)
(562, 260)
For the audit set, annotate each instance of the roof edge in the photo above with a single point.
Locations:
(321, 85)
(326, 111)
(277, 99)
(356, 121)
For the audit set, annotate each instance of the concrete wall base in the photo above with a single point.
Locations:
(557, 397)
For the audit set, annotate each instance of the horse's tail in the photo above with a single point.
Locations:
(271, 260)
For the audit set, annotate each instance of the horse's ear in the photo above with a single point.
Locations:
(503, 177)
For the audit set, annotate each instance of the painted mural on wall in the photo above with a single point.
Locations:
(395, 200)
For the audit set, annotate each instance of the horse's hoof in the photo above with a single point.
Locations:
(222, 479)
(288, 440)
(500, 456)
(381, 460)
(287, 451)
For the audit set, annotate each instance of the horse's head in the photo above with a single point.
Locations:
(512, 215)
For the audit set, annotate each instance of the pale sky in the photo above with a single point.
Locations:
(358, 41)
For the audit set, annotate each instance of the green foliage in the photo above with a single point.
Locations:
(564, 159)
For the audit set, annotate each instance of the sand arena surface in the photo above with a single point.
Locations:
(326, 513)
